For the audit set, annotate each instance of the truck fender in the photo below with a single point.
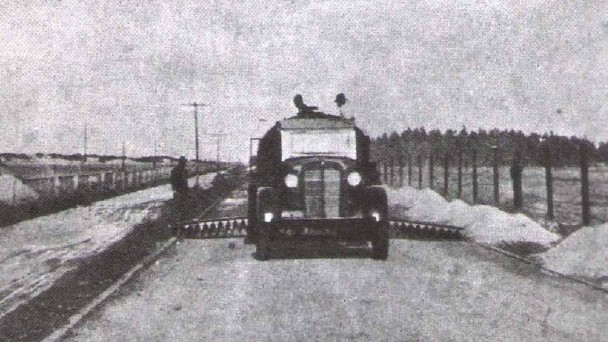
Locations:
(266, 202)
(375, 199)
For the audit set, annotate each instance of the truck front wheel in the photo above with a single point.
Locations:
(264, 205)
(262, 246)
(380, 242)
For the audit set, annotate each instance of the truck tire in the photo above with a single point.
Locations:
(252, 215)
(264, 203)
(262, 246)
(380, 242)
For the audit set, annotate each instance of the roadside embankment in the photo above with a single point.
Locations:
(56, 264)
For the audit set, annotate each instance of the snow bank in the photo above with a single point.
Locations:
(583, 254)
(482, 223)
(35, 253)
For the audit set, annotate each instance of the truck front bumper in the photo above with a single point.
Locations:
(339, 228)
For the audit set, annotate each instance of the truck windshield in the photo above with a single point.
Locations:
(322, 142)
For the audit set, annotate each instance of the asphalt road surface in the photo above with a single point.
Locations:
(215, 290)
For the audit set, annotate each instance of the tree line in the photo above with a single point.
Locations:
(482, 145)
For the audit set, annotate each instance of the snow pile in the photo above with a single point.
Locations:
(584, 254)
(482, 223)
(12, 189)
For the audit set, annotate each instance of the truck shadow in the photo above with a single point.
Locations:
(318, 249)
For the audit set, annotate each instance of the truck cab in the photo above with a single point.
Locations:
(313, 179)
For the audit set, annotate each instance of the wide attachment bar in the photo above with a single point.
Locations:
(229, 227)
(424, 230)
(234, 227)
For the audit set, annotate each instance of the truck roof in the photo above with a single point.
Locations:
(327, 122)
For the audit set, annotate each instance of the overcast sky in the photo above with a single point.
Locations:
(124, 68)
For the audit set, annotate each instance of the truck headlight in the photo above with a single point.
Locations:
(376, 216)
(354, 178)
(291, 180)
(268, 217)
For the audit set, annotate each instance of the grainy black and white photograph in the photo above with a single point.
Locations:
(311, 170)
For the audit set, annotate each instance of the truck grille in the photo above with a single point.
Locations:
(322, 193)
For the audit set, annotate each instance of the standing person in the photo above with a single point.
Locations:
(179, 179)
(340, 101)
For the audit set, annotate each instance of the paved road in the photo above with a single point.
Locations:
(214, 290)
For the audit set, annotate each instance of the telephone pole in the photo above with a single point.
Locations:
(196, 105)
(84, 155)
(219, 137)
(124, 155)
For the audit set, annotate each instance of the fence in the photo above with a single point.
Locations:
(568, 195)
(24, 190)
(66, 187)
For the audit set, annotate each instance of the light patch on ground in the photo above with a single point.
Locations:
(233, 202)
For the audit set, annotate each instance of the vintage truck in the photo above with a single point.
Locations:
(313, 178)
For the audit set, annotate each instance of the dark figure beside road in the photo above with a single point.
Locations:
(179, 179)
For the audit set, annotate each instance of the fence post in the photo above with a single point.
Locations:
(385, 175)
(459, 173)
(400, 172)
(419, 171)
(549, 181)
(56, 185)
(585, 185)
(496, 176)
(475, 185)
(516, 173)
(392, 179)
(431, 170)
(446, 173)
(409, 170)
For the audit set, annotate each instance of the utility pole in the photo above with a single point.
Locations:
(84, 155)
(219, 137)
(219, 142)
(155, 156)
(196, 105)
(124, 155)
